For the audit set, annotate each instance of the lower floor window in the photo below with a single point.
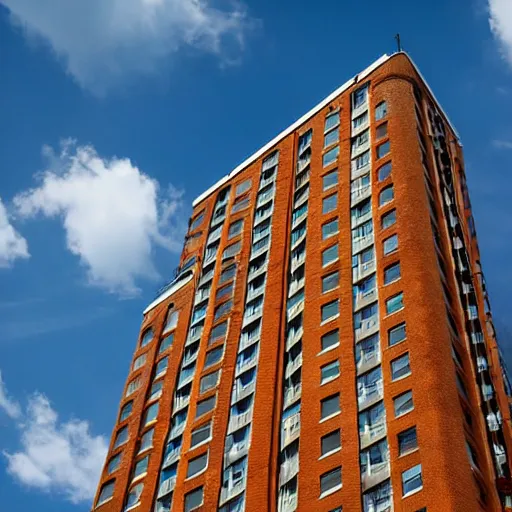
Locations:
(412, 480)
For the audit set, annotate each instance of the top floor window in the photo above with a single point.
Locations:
(331, 121)
(359, 96)
(147, 337)
(172, 319)
(381, 110)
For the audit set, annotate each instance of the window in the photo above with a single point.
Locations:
(146, 441)
(329, 228)
(383, 149)
(390, 244)
(227, 274)
(218, 332)
(126, 411)
(362, 160)
(381, 131)
(330, 406)
(166, 343)
(331, 138)
(403, 404)
(197, 465)
(330, 281)
(113, 463)
(329, 255)
(359, 96)
(412, 480)
(209, 381)
(381, 110)
(407, 441)
(330, 340)
(329, 203)
(240, 204)
(161, 366)
(386, 195)
(388, 219)
(331, 121)
(329, 371)
(231, 250)
(133, 386)
(330, 310)
(330, 180)
(151, 413)
(330, 156)
(243, 187)
(392, 273)
(141, 467)
(400, 367)
(134, 496)
(213, 356)
(331, 442)
(360, 121)
(156, 390)
(224, 292)
(121, 437)
(235, 229)
(362, 209)
(396, 334)
(201, 434)
(205, 406)
(196, 221)
(193, 499)
(107, 491)
(395, 303)
(147, 337)
(222, 310)
(330, 481)
(384, 171)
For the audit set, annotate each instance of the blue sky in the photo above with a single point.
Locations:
(116, 114)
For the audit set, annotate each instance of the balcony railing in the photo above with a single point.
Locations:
(374, 475)
(236, 452)
(367, 327)
(237, 421)
(292, 366)
(359, 194)
(294, 337)
(240, 392)
(368, 361)
(287, 502)
(363, 299)
(289, 468)
(363, 270)
(246, 364)
(290, 430)
(373, 433)
(292, 394)
(229, 492)
(370, 394)
(167, 486)
(361, 243)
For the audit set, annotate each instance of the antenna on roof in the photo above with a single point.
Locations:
(398, 43)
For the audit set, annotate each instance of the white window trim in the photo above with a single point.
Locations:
(332, 452)
(331, 491)
(330, 319)
(410, 493)
(333, 415)
(330, 379)
(328, 349)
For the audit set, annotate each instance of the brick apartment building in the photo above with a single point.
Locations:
(327, 343)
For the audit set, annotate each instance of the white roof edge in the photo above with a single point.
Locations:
(357, 78)
(291, 128)
(170, 291)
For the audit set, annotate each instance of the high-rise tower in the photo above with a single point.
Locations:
(327, 342)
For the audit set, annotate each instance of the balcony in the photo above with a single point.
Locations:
(246, 364)
(359, 194)
(368, 327)
(265, 197)
(301, 198)
(287, 503)
(363, 299)
(361, 109)
(180, 402)
(361, 148)
(252, 315)
(190, 357)
(292, 312)
(297, 220)
(267, 181)
(253, 274)
(172, 457)
(289, 469)
(290, 430)
(236, 452)
(206, 277)
(361, 128)
(361, 171)
(194, 334)
(292, 394)
(261, 216)
(294, 337)
(260, 233)
(186, 376)
(303, 163)
(247, 341)
(369, 395)
(361, 243)
(214, 235)
(374, 475)
(233, 489)
(368, 361)
(293, 366)
(240, 392)
(177, 430)
(297, 241)
(295, 286)
(217, 219)
(253, 292)
(361, 219)
(363, 270)
(237, 421)
(302, 180)
(201, 295)
(260, 248)
(477, 337)
(373, 433)
(167, 486)
(472, 312)
(297, 261)
(379, 499)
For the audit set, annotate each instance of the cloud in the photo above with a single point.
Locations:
(12, 244)
(10, 407)
(500, 20)
(56, 456)
(502, 144)
(113, 214)
(100, 42)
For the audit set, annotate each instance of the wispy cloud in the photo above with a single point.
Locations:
(7, 404)
(114, 215)
(12, 245)
(102, 42)
(502, 144)
(500, 20)
(55, 456)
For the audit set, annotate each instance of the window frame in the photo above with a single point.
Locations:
(326, 400)
(335, 364)
(326, 203)
(402, 396)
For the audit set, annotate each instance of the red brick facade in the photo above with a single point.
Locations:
(444, 418)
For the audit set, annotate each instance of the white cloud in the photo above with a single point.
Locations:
(61, 457)
(101, 41)
(12, 244)
(111, 211)
(502, 144)
(10, 406)
(500, 19)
